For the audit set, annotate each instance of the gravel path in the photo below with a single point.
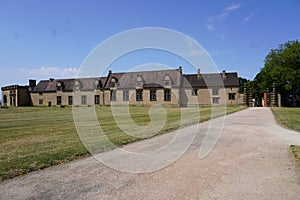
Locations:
(250, 161)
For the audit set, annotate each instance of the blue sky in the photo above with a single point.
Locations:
(42, 39)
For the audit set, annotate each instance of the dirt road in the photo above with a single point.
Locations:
(250, 161)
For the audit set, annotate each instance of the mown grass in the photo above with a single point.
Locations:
(32, 138)
(288, 117)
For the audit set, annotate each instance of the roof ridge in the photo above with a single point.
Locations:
(145, 71)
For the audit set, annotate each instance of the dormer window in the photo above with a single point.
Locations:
(97, 84)
(167, 81)
(77, 85)
(59, 86)
(139, 81)
(113, 83)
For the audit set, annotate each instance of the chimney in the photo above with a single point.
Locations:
(180, 69)
(51, 79)
(224, 74)
(198, 73)
(32, 83)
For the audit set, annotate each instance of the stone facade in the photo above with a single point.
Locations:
(148, 97)
(145, 88)
(15, 95)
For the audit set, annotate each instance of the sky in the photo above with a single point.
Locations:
(52, 38)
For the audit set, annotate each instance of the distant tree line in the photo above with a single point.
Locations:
(282, 68)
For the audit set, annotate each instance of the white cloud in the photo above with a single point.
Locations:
(210, 27)
(209, 23)
(249, 17)
(227, 11)
(46, 72)
(193, 49)
(233, 7)
(212, 20)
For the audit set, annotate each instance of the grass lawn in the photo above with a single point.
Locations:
(32, 138)
(288, 117)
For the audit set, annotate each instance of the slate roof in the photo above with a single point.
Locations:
(211, 80)
(151, 79)
(117, 76)
(68, 84)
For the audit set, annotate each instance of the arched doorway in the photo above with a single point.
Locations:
(12, 100)
(4, 99)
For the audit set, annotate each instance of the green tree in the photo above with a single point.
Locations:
(242, 81)
(282, 67)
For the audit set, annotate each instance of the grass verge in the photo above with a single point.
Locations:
(296, 153)
(288, 117)
(33, 138)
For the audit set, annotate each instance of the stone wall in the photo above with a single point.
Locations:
(23, 97)
(50, 98)
(146, 98)
(15, 95)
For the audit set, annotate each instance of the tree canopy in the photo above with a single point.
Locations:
(282, 67)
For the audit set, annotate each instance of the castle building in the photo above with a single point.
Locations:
(144, 88)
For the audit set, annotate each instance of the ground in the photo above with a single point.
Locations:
(33, 138)
(251, 160)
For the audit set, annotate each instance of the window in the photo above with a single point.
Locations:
(113, 82)
(70, 100)
(167, 80)
(139, 95)
(152, 95)
(215, 91)
(41, 101)
(97, 84)
(194, 92)
(58, 100)
(77, 85)
(40, 93)
(113, 95)
(139, 81)
(231, 96)
(139, 84)
(215, 100)
(125, 95)
(5, 99)
(83, 100)
(97, 99)
(167, 95)
(58, 86)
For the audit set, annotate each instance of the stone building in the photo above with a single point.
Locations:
(64, 92)
(16, 95)
(144, 88)
(213, 89)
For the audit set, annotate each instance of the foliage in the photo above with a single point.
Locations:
(296, 152)
(242, 82)
(282, 67)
